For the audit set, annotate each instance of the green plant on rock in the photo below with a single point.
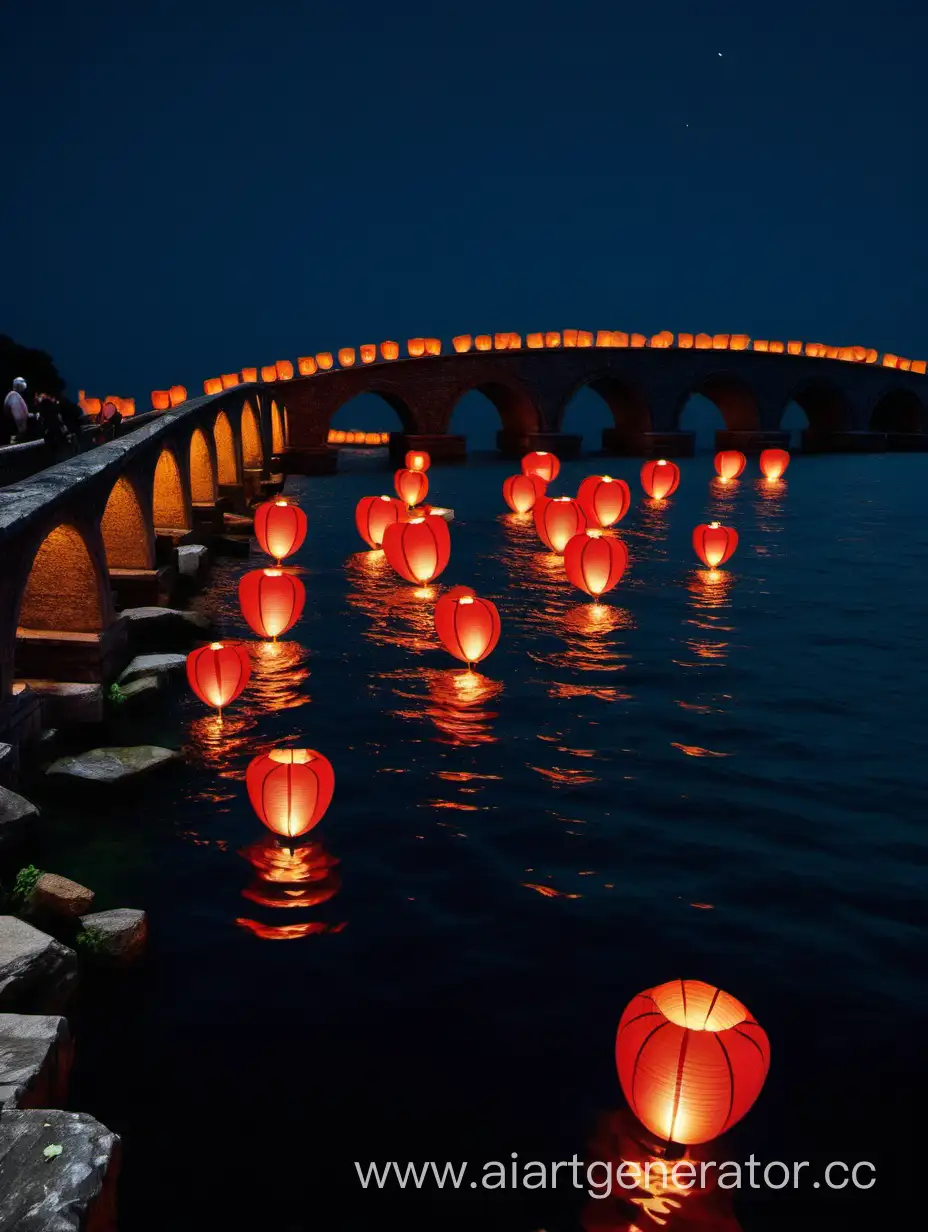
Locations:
(90, 941)
(24, 885)
(115, 695)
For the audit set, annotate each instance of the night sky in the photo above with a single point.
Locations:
(191, 186)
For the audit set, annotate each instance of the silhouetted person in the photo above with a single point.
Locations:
(53, 429)
(15, 422)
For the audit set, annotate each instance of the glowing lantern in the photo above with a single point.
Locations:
(501, 341)
(390, 350)
(558, 520)
(714, 544)
(773, 462)
(91, 406)
(584, 338)
(660, 479)
(269, 372)
(729, 464)
(794, 348)
(720, 342)
(325, 360)
(777, 348)
(271, 601)
(703, 342)
(919, 365)
(371, 438)
(212, 385)
(904, 365)
(218, 673)
(178, 395)
(595, 562)
(346, 357)
(290, 790)
(535, 342)
(411, 486)
(418, 549)
(661, 341)
(544, 465)
(684, 342)
(691, 1060)
(250, 376)
(462, 343)
(418, 460)
(638, 340)
(570, 337)
(385, 438)
(619, 338)
(128, 407)
(280, 528)
(307, 365)
(467, 627)
(761, 344)
(284, 370)
(831, 352)
(815, 350)
(229, 380)
(515, 342)
(520, 492)
(604, 500)
(368, 353)
(872, 356)
(433, 346)
(483, 342)
(161, 398)
(604, 338)
(552, 339)
(739, 342)
(374, 514)
(416, 347)
(860, 354)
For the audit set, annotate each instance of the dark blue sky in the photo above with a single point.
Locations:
(191, 186)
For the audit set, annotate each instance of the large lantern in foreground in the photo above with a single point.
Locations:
(521, 492)
(773, 462)
(605, 500)
(660, 478)
(271, 601)
(218, 673)
(729, 464)
(290, 790)
(558, 520)
(467, 626)
(418, 549)
(374, 514)
(280, 528)
(691, 1060)
(595, 562)
(714, 544)
(544, 465)
(418, 460)
(411, 486)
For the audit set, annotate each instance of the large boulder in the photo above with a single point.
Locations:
(153, 665)
(166, 628)
(36, 1052)
(112, 767)
(17, 816)
(114, 938)
(58, 1172)
(54, 895)
(37, 973)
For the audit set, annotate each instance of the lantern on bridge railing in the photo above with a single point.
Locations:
(284, 370)
(777, 348)
(739, 342)
(773, 462)
(720, 342)
(703, 342)
(535, 342)
(729, 463)
(468, 627)
(462, 343)
(212, 385)
(433, 346)
(419, 549)
(307, 366)
(268, 373)
(520, 492)
(761, 344)
(218, 673)
(324, 360)
(229, 380)
(249, 376)
(412, 487)
(605, 500)
(570, 337)
(661, 341)
(374, 514)
(714, 544)
(794, 348)
(271, 601)
(178, 395)
(346, 357)
(368, 353)
(390, 350)
(541, 463)
(415, 347)
(684, 342)
(161, 398)
(483, 342)
(595, 562)
(660, 478)
(552, 339)
(290, 790)
(584, 338)
(558, 520)
(280, 528)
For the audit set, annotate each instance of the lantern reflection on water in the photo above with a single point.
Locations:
(710, 599)
(520, 492)
(219, 672)
(714, 544)
(660, 478)
(280, 528)
(278, 676)
(271, 601)
(467, 626)
(457, 705)
(374, 514)
(290, 790)
(605, 500)
(396, 615)
(303, 876)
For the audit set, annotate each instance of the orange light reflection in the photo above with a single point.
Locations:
(220, 742)
(278, 671)
(301, 876)
(399, 615)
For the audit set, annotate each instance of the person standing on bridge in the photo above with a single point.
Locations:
(15, 421)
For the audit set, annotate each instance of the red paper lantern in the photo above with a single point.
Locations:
(558, 520)
(521, 492)
(660, 478)
(411, 486)
(595, 562)
(217, 673)
(544, 465)
(280, 528)
(729, 464)
(290, 790)
(773, 462)
(374, 514)
(714, 544)
(605, 500)
(691, 1060)
(468, 627)
(418, 460)
(418, 549)
(271, 601)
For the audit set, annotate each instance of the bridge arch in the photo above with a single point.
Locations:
(516, 407)
(399, 405)
(66, 588)
(226, 453)
(170, 510)
(127, 534)
(278, 438)
(898, 410)
(733, 396)
(202, 470)
(827, 407)
(625, 400)
(252, 448)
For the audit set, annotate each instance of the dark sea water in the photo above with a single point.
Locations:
(719, 781)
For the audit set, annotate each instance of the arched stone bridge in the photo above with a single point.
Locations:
(848, 406)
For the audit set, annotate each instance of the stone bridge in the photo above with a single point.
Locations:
(849, 406)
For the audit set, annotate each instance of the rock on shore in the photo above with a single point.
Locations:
(112, 766)
(116, 938)
(37, 973)
(36, 1052)
(17, 814)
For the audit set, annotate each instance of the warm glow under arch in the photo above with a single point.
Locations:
(63, 592)
(252, 452)
(202, 478)
(226, 463)
(125, 533)
(168, 506)
(277, 429)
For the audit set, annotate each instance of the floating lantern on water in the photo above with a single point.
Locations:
(418, 460)
(411, 486)
(773, 462)
(691, 1060)
(521, 492)
(290, 790)
(374, 514)
(714, 544)
(280, 528)
(660, 479)
(729, 464)
(595, 562)
(467, 627)
(605, 500)
(218, 673)
(418, 549)
(271, 601)
(544, 465)
(558, 520)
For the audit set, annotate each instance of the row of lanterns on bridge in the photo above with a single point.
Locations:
(690, 1058)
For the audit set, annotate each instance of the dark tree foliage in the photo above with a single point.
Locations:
(35, 367)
